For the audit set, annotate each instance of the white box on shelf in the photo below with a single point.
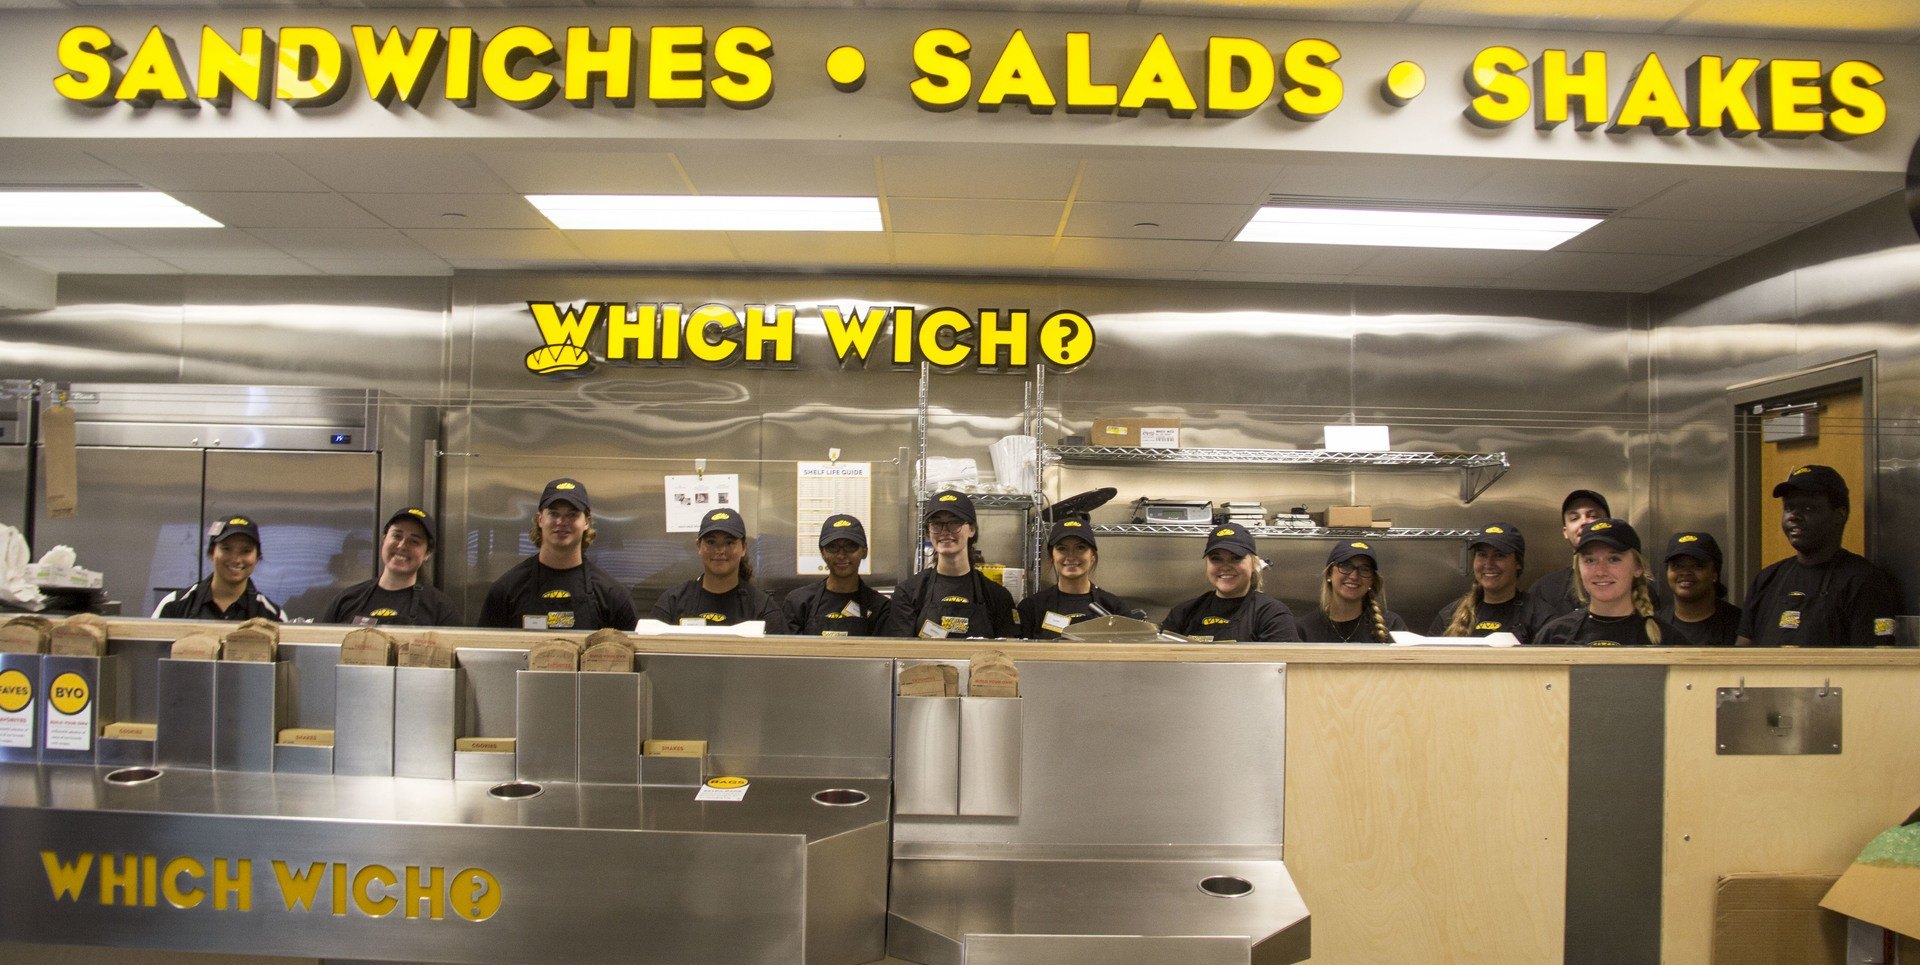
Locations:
(1357, 439)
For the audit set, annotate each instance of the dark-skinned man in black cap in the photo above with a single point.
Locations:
(1824, 595)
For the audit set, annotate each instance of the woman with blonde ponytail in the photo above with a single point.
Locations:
(1616, 598)
(1353, 600)
(1495, 603)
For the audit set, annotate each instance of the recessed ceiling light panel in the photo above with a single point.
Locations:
(678, 212)
(97, 209)
(1286, 224)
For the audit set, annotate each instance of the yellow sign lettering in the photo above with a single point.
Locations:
(1651, 101)
(629, 335)
(1017, 77)
(177, 896)
(676, 61)
(299, 886)
(1231, 60)
(226, 70)
(235, 884)
(87, 54)
(155, 73)
(1791, 98)
(397, 69)
(1854, 108)
(1003, 344)
(1066, 339)
(746, 78)
(1560, 82)
(612, 64)
(432, 891)
(1718, 94)
(1082, 93)
(119, 885)
(1500, 95)
(66, 879)
(363, 898)
(940, 56)
(1313, 89)
(503, 56)
(1158, 82)
(777, 333)
(853, 333)
(940, 352)
(309, 73)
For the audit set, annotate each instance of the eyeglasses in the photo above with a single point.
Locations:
(945, 526)
(1349, 569)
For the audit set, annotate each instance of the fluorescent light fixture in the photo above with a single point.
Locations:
(682, 212)
(1285, 224)
(97, 209)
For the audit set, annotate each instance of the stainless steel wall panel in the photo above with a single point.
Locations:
(389, 333)
(777, 715)
(1849, 286)
(316, 515)
(246, 705)
(14, 510)
(118, 328)
(138, 523)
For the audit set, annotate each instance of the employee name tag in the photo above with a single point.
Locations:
(1055, 621)
(1196, 638)
(559, 619)
(365, 622)
(1790, 619)
(533, 621)
(932, 631)
(835, 633)
(852, 609)
(693, 621)
(1883, 626)
(957, 625)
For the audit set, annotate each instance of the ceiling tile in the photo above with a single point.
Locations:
(1264, 278)
(1381, 176)
(756, 170)
(52, 242)
(1259, 258)
(1625, 16)
(1210, 222)
(380, 266)
(265, 209)
(473, 211)
(976, 251)
(561, 171)
(1193, 182)
(1762, 195)
(1131, 255)
(1573, 185)
(192, 242)
(1595, 270)
(26, 162)
(960, 175)
(1860, 20)
(102, 265)
(462, 245)
(1444, 263)
(210, 166)
(350, 243)
(1660, 237)
(397, 169)
(803, 248)
(649, 247)
(217, 265)
(975, 216)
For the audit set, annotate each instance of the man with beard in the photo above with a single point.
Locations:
(397, 596)
(1823, 595)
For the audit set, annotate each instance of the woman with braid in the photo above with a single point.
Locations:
(1353, 600)
(1617, 600)
(1495, 603)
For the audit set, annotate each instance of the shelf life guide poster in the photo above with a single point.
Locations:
(826, 488)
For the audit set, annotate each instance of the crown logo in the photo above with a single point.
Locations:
(950, 497)
(1358, 546)
(840, 523)
(720, 516)
(237, 521)
(1597, 527)
(1495, 529)
(564, 486)
(1689, 538)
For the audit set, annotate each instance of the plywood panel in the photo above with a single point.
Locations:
(1778, 814)
(1427, 810)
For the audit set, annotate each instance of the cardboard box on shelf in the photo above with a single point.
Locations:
(128, 731)
(306, 736)
(1343, 517)
(1135, 433)
(674, 748)
(1775, 919)
(489, 745)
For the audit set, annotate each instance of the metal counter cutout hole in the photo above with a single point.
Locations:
(1226, 886)
(515, 791)
(840, 797)
(132, 775)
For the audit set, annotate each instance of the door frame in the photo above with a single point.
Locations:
(1839, 374)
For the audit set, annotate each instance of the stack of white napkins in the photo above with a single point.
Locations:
(654, 628)
(1407, 638)
(16, 590)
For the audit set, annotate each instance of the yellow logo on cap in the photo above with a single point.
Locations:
(564, 486)
(1802, 469)
(949, 498)
(1495, 529)
(1358, 546)
(557, 595)
(1597, 527)
(1689, 538)
(1071, 522)
(1223, 532)
(417, 512)
(720, 516)
(237, 521)
(841, 523)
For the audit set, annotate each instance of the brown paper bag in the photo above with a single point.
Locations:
(62, 462)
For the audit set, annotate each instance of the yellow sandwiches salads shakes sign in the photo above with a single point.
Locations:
(667, 66)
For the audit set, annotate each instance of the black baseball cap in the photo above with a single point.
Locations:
(1504, 537)
(842, 526)
(1231, 537)
(1347, 549)
(567, 491)
(1078, 527)
(1813, 479)
(413, 514)
(952, 501)
(233, 526)
(1588, 495)
(1700, 546)
(1616, 533)
(723, 521)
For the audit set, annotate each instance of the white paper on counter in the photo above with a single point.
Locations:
(1407, 638)
(654, 628)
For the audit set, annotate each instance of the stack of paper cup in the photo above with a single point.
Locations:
(1013, 462)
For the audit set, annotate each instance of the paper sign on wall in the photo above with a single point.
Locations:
(824, 489)
(690, 497)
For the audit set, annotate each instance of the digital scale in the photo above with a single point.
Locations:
(1172, 511)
